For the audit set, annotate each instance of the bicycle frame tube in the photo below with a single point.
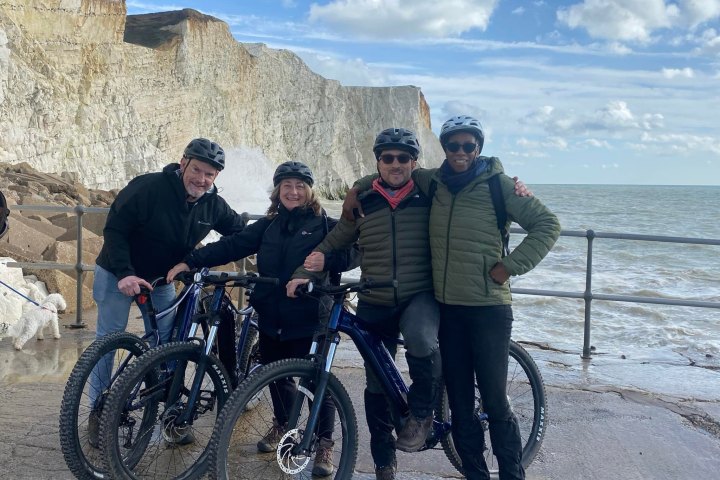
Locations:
(376, 356)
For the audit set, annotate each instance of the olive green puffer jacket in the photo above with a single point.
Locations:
(394, 246)
(466, 243)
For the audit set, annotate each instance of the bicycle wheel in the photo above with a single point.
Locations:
(112, 353)
(234, 449)
(249, 355)
(526, 394)
(139, 435)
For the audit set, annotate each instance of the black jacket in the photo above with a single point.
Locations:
(151, 227)
(281, 244)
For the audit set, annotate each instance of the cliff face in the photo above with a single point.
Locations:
(85, 89)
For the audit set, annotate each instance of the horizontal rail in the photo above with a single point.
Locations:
(588, 296)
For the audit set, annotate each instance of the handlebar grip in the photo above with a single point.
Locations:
(266, 280)
(186, 277)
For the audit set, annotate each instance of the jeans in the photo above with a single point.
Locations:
(418, 321)
(113, 312)
(474, 344)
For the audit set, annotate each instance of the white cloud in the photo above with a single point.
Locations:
(395, 19)
(595, 143)
(678, 72)
(556, 143)
(518, 11)
(614, 117)
(625, 20)
(696, 12)
(683, 143)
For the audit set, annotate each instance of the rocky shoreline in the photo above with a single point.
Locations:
(48, 236)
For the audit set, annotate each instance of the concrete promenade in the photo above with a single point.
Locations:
(608, 418)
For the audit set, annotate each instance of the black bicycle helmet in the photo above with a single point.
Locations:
(4, 212)
(206, 151)
(293, 169)
(462, 123)
(400, 138)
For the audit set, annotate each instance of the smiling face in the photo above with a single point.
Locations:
(197, 177)
(460, 161)
(293, 193)
(395, 174)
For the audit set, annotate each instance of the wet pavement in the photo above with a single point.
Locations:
(625, 418)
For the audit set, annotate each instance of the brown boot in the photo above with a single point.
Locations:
(323, 465)
(269, 442)
(414, 433)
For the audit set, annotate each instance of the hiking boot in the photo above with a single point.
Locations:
(93, 429)
(387, 472)
(323, 466)
(414, 433)
(269, 442)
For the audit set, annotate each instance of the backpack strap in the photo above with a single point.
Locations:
(500, 212)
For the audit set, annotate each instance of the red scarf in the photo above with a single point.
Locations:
(394, 197)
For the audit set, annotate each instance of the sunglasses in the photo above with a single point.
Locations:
(387, 158)
(454, 147)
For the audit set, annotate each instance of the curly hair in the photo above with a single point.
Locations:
(312, 201)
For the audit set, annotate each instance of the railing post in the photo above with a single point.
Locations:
(588, 296)
(79, 273)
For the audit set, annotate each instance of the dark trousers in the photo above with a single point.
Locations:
(283, 391)
(474, 344)
(417, 320)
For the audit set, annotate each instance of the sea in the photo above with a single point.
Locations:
(619, 267)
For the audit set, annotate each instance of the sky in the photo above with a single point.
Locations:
(568, 92)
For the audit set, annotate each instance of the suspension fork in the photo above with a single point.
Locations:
(179, 376)
(317, 394)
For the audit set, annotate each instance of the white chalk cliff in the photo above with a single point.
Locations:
(85, 88)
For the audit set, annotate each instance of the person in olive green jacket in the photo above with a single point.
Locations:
(470, 279)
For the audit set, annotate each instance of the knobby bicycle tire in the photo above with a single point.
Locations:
(81, 457)
(159, 448)
(234, 450)
(248, 357)
(526, 394)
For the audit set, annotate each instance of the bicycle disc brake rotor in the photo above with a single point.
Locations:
(171, 432)
(288, 462)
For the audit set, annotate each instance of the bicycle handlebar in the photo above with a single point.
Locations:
(217, 277)
(311, 288)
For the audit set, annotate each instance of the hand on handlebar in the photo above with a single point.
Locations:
(293, 285)
(350, 204)
(131, 284)
(180, 267)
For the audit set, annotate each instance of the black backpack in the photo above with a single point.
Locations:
(499, 206)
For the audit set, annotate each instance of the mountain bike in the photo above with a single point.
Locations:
(159, 414)
(234, 450)
(115, 352)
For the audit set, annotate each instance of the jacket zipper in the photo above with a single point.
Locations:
(447, 247)
(394, 256)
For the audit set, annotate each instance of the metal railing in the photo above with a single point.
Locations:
(587, 295)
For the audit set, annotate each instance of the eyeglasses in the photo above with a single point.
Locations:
(454, 147)
(387, 158)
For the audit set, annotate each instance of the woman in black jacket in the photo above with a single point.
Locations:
(294, 225)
